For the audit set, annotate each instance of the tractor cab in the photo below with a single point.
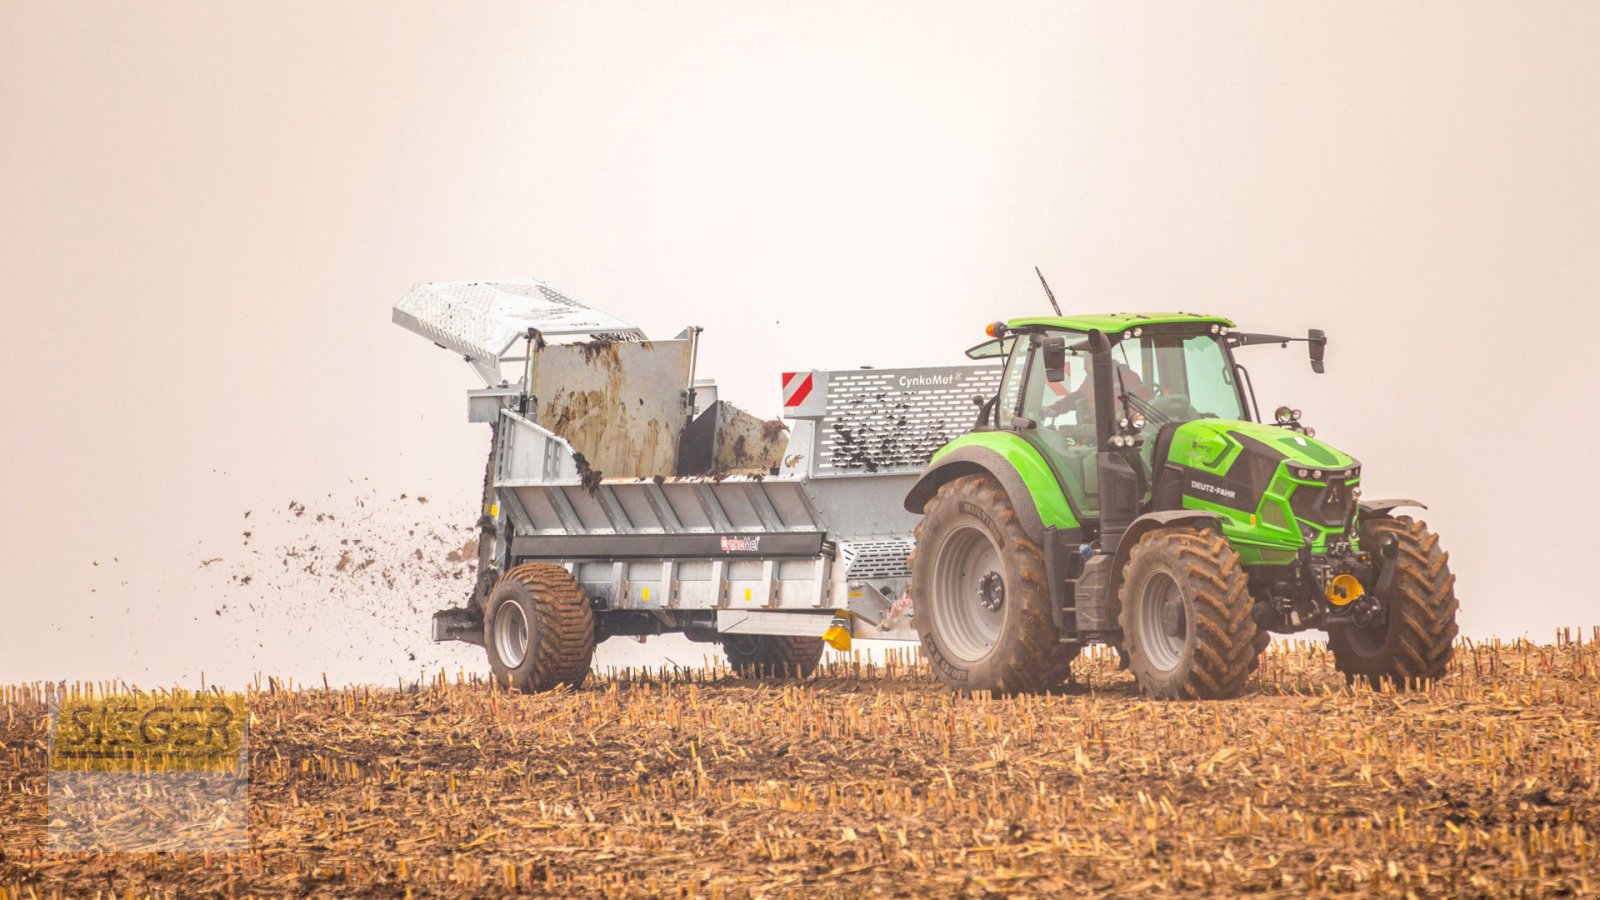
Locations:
(1163, 375)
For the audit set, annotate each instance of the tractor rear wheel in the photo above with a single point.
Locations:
(982, 605)
(1186, 618)
(1413, 644)
(538, 629)
(772, 656)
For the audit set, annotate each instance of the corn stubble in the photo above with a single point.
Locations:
(871, 779)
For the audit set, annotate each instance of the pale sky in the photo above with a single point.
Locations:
(209, 209)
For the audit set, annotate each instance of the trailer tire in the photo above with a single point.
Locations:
(1414, 644)
(982, 604)
(1186, 616)
(538, 629)
(772, 656)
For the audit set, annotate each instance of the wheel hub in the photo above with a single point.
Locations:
(1172, 617)
(1160, 622)
(992, 591)
(511, 634)
(967, 595)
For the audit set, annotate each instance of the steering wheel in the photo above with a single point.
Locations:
(1173, 406)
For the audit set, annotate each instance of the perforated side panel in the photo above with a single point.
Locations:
(885, 420)
(875, 559)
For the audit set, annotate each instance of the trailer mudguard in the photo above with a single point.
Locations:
(1012, 461)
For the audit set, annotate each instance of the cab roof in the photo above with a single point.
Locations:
(1114, 323)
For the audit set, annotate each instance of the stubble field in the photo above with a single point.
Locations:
(870, 779)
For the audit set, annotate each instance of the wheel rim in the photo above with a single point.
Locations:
(969, 595)
(1163, 621)
(511, 634)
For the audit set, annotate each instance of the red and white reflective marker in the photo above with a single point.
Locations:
(805, 394)
(796, 387)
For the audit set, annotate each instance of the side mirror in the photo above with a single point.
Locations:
(1317, 344)
(1055, 359)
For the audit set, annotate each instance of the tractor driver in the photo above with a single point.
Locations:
(1079, 400)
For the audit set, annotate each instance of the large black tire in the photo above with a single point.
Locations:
(772, 656)
(538, 629)
(1186, 616)
(1413, 645)
(1004, 641)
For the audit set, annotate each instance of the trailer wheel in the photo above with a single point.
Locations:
(538, 629)
(772, 656)
(1414, 643)
(982, 606)
(1186, 616)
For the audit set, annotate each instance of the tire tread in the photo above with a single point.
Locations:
(561, 633)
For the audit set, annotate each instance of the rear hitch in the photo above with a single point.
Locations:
(458, 624)
(1366, 611)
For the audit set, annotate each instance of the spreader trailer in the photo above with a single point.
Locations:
(624, 499)
(1090, 479)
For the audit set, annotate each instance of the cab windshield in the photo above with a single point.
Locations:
(1160, 378)
(1176, 378)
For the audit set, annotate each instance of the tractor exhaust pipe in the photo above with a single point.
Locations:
(1119, 482)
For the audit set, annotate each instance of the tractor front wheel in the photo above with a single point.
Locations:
(772, 656)
(1413, 644)
(1186, 619)
(982, 605)
(538, 629)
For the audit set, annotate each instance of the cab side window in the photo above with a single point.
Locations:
(1011, 382)
(1065, 415)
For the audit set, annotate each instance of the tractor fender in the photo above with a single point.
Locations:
(978, 460)
(1379, 508)
(1150, 522)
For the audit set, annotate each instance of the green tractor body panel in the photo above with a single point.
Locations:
(1244, 473)
(1250, 475)
(1114, 323)
(1040, 482)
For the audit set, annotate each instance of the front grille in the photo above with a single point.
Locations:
(1328, 505)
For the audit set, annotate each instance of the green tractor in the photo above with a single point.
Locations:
(1121, 488)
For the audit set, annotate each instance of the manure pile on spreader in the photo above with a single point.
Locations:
(871, 779)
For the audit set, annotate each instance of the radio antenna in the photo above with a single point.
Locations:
(1047, 292)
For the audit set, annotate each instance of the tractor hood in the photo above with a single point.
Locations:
(1275, 489)
(1208, 443)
